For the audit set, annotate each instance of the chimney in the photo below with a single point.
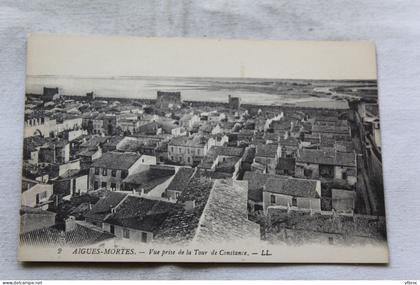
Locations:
(70, 224)
(189, 205)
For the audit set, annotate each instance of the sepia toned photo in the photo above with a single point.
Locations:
(187, 150)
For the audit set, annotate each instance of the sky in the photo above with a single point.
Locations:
(131, 56)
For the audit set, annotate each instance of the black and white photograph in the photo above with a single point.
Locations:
(125, 166)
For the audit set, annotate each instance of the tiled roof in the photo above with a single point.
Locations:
(256, 182)
(181, 179)
(140, 213)
(330, 129)
(227, 164)
(150, 178)
(281, 125)
(84, 234)
(290, 141)
(266, 150)
(227, 150)
(31, 143)
(293, 187)
(326, 157)
(193, 141)
(95, 141)
(225, 217)
(286, 163)
(116, 160)
(103, 207)
(181, 225)
(278, 184)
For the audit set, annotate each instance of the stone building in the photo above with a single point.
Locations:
(167, 100)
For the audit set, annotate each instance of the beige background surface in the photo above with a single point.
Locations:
(393, 25)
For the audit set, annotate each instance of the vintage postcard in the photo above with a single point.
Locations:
(201, 150)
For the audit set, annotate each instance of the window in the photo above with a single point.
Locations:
(294, 201)
(104, 172)
(124, 173)
(273, 199)
(73, 186)
(96, 171)
(179, 149)
(189, 159)
(172, 148)
(112, 229)
(330, 240)
(113, 186)
(126, 233)
(103, 184)
(143, 237)
(40, 196)
(113, 173)
(307, 172)
(177, 194)
(95, 185)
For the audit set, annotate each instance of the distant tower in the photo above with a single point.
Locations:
(165, 100)
(90, 96)
(49, 93)
(234, 102)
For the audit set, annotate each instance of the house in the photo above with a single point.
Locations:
(112, 168)
(35, 194)
(31, 147)
(179, 182)
(76, 234)
(289, 146)
(256, 182)
(35, 218)
(281, 127)
(224, 160)
(104, 207)
(72, 182)
(42, 172)
(65, 123)
(128, 125)
(104, 124)
(267, 155)
(343, 201)
(286, 166)
(303, 194)
(188, 150)
(188, 121)
(137, 219)
(326, 164)
(156, 176)
(55, 151)
(39, 125)
(88, 155)
(338, 132)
